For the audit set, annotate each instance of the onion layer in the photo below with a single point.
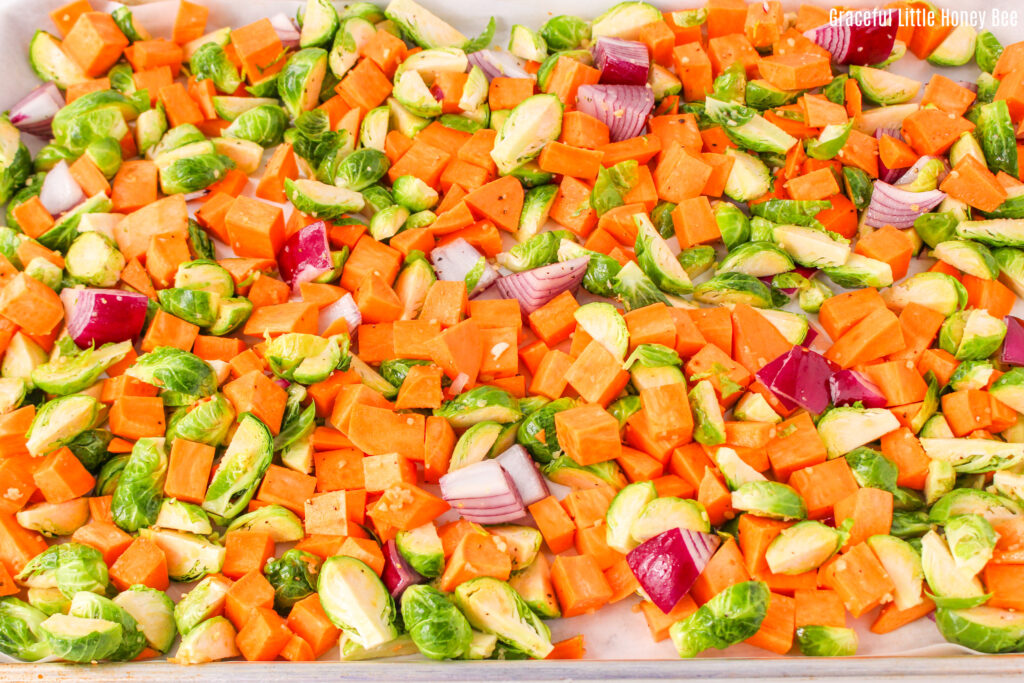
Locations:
(623, 108)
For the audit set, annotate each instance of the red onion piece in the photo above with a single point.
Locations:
(455, 260)
(668, 565)
(1013, 343)
(499, 64)
(809, 338)
(623, 108)
(34, 113)
(283, 383)
(847, 387)
(534, 288)
(528, 480)
(483, 492)
(287, 32)
(346, 308)
(864, 38)
(397, 574)
(100, 316)
(798, 377)
(306, 255)
(60, 190)
(886, 174)
(622, 62)
(899, 208)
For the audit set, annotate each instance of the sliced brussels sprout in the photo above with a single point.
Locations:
(208, 641)
(996, 232)
(860, 271)
(846, 428)
(697, 260)
(802, 547)
(92, 606)
(319, 22)
(656, 259)
(55, 519)
(204, 601)
(20, 635)
(139, 492)
(811, 247)
(826, 641)
(963, 501)
(769, 499)
(730, 617)
(527, 44)
(757, 259)
(753, 407)
(871, 469)
(940, 480)
(662, 514)
(937, 291)
(533, 123)
(735, 288)
(181, 516)
(709, 425)
(241, 468)
(298, 83)
(493, 606)
(484, 403)
(903, 565)
(537, 432)
(974, 334)
(293, 577)
(884, 87)
(211, 61)
(971, 540)
(972, 258)
(421, 548)
(69, 374)
(68, 567)
(984, 629)
(565, 32)
(176, 372)
(109, 475)
(625, 508)
(59, 421)
(78, 639)
(829, 142)
(263, 125)
(93, 259)
(952, 586)
(356, 601)
(190, 557)
(153, 612)
(193, 173)
(434, 623)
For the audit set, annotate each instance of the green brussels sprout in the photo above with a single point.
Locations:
(307, 358)
(293, 577)
(909, 523)
(860, 271)
(241, 468)
(625, 508)
(565, 32)
(59, 421)
(884, 87)
(803, 547)
(54, 519)
(733, 224)
(92, 606)
(205, 600)
(997, 232)
(93, 259)
(139, 492)
(298, 421)
(811, 247)
(438, 628)
(987, 50)
(205, 275)
(537, 432)
(319, 22)
(846, 428)
(493, 606)
(635, 289)
(612, 185)
(109, 475)
(964, 501)
(983, 629)
(663, 514)
(753, 407)
(757, 259)
(78, 639)
(940, 480)
(826, 641)
(150, 127)
(625, 19)
(40, 268)
(15, 160)
(312, 138)
(697, 260)
(902, 563)
(353, 34)
(995, 131)
(952, 586)
(356, 601)
(90, 447)
(48, 600)
(527, 44)
(190, 556)
(735, 288)
(196, 306)
(20, 635)
(769, 499)
(122, 78)
(747, 128)
(231, 313)
(152, 611)
(209, 641)
(361, 169)
(940, 292)
(730, 86)
(534, 252)
(179, 137)
(105, 153)
(60, 236)
(194, 173)
(179, 374)
(421, 548)
(603, 322)
(69, 567)
(974, 334)
(388, 222)
(484, 403)
(263, 125)
(975, 374)
(971, 541)
(654, 365)
(533, 123)
(210, 61)
(413, 193)
(298, 83)
(709, 425)
(871, 469)
(829, 142)
(283, 525)
(859, 186)
(181, 516)
(601, 268)
(72, 372)
(567, 472)
(730, 617)
(50, 155)
(656, 260)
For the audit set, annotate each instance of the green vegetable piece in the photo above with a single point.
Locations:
(730, 617)
(435, 624)
(241, 468)
(77, 639)
(69, 567)
(356, 601)
(210, 61)
(293, 577)
(826, 641)
(493, 606)
(20, 635)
